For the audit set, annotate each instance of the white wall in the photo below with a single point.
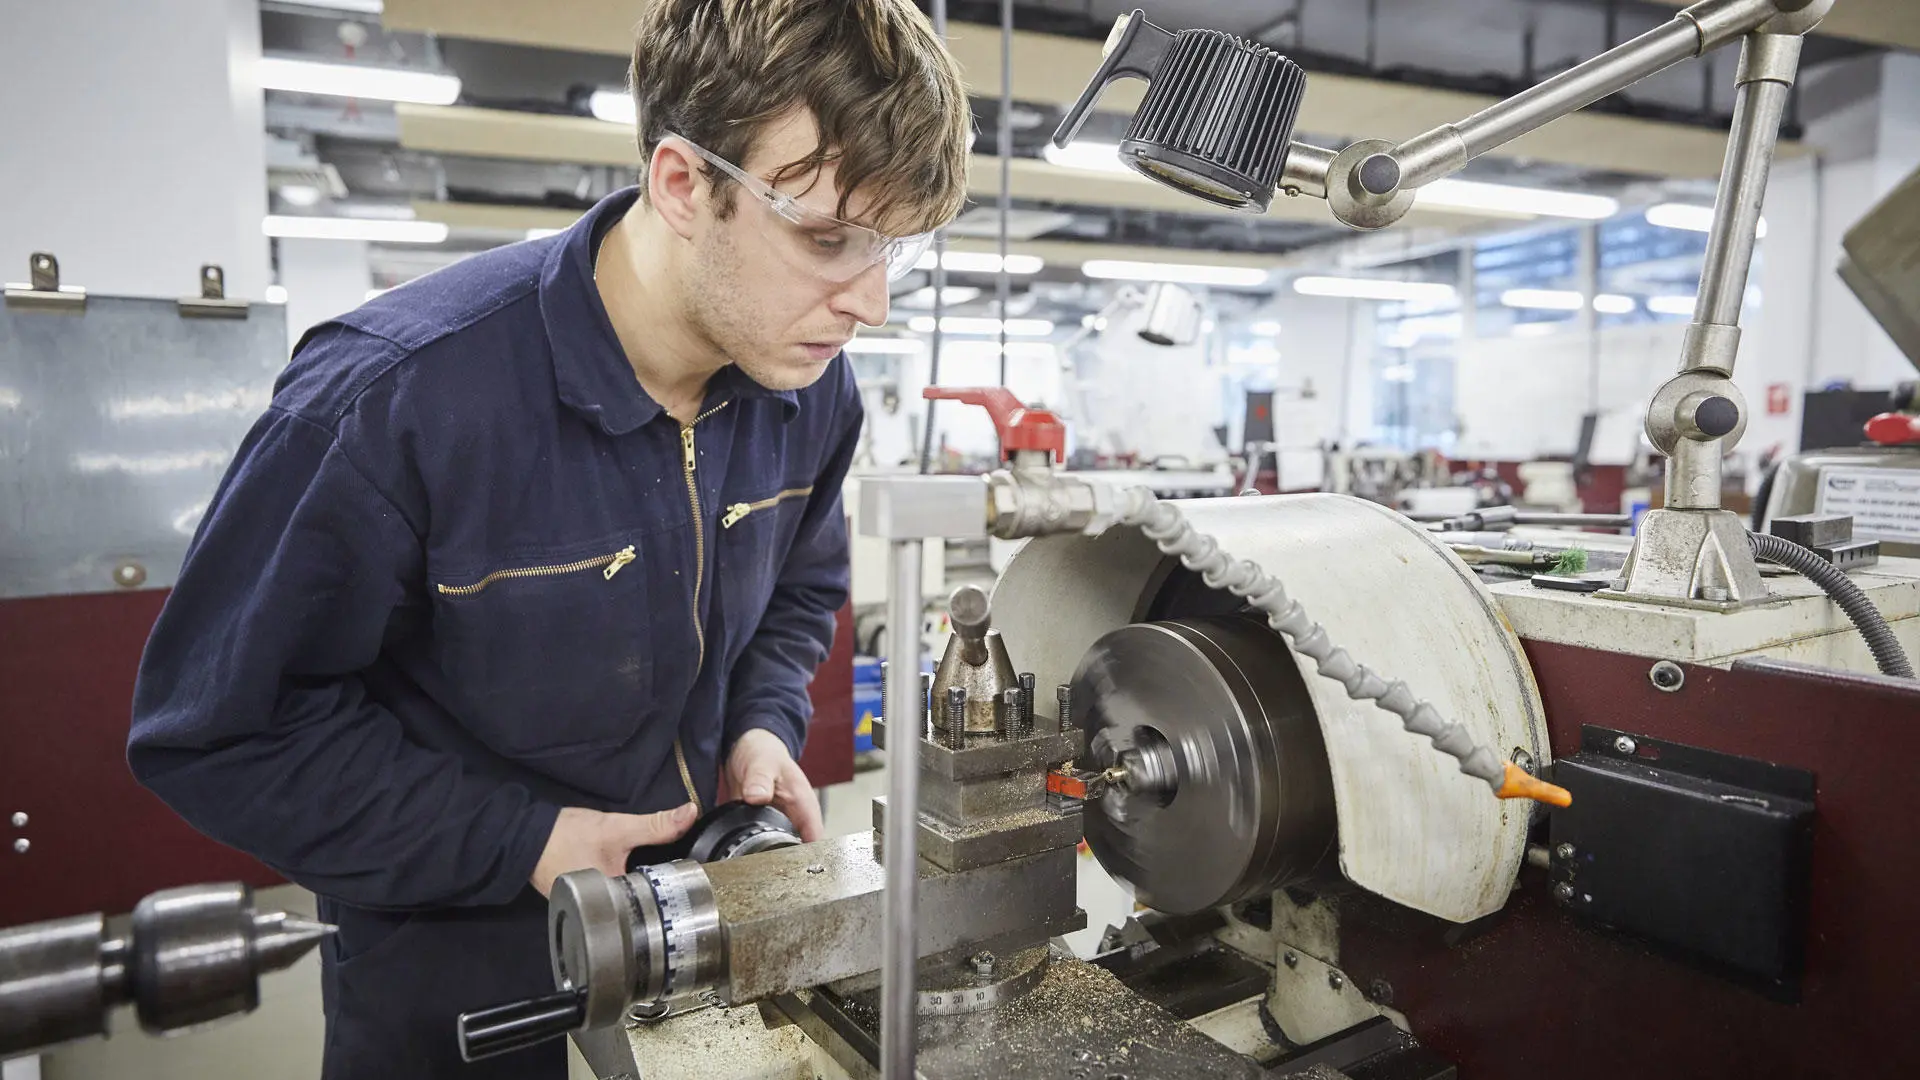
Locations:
(1154, 401)
(1522, 398)
(323, 278)
(133, 143)
(1316, 346)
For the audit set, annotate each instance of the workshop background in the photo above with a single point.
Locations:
(1508, 333)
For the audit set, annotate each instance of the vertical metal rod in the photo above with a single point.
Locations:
(1373, 32)
(1589, 317)
(926, 705)
(1003, 286)
(898, 933)
(939, 11)
(1759, 102)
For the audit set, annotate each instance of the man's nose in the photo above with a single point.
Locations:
(864, 298)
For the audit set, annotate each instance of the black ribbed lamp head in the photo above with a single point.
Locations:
(1217, 115)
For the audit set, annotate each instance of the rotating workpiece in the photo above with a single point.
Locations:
(1221, 789)
(187, 957)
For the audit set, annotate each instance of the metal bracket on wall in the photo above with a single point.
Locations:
(43, 290)
(212, 303)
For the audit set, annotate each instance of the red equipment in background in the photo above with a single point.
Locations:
(1020, 427)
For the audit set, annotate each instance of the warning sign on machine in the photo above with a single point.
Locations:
(1885, 503)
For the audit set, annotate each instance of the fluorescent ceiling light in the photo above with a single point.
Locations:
(373, 230)
(1411, 331)
(982, 262)
(960, 324)
(990, 350)
(1507, 199)
(380, 211)
(1543, 299)
(953, 295)
(1689, 217)
(1398, 373)
(358, 81)
(1670, 305)
(365, 7)
(300, 195)
(885, 346)
(1613, 304)
(1265, 329)
(542, 234)
(1088, 157)
(1244, 277)
(613, 106)
(276, 294)
(1373, 289)
(1534, 329)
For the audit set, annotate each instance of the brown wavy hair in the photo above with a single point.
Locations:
(888, 98)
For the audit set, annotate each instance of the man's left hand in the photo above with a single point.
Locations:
(762, 771)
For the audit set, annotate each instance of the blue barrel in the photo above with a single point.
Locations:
(866, 701)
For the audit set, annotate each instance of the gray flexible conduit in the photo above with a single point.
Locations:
(1169, 529)
(1887, 653)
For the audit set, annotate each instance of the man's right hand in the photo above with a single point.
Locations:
(583, 839)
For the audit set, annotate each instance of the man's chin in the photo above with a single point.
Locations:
(795, 373)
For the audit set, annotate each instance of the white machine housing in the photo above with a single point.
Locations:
(1412, 828)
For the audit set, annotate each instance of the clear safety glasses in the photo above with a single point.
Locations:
(817, 243)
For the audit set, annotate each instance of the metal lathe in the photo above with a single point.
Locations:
(1387, 814)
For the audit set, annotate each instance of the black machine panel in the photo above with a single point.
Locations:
(1701, 851)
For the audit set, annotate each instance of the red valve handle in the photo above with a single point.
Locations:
(1894, 429)
(1020, 427)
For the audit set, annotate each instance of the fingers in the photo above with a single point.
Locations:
(643, 830)
(795, 799)
(758, 782)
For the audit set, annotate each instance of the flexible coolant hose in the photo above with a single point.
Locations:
(1169, 529)
(1887, 653)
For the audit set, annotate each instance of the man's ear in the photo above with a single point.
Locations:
(676, 189)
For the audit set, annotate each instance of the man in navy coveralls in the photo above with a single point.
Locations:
(526, 552)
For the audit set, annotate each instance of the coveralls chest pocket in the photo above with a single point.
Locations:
(756, 532)
(551, 653)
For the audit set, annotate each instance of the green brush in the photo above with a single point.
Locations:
(1571, 562)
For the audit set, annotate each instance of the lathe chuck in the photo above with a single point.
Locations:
(1226, 792)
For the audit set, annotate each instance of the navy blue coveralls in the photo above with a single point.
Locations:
(465, 572)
